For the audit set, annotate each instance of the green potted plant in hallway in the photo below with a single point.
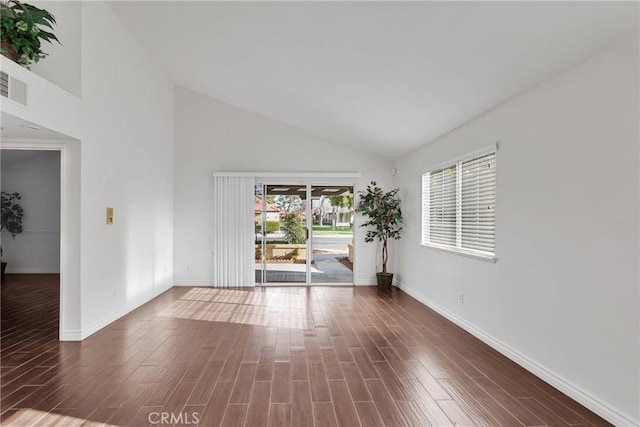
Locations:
(23, 27)
(11, 217)
(384, 223)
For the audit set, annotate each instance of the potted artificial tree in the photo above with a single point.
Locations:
(11, 216)
(22, 29)
(384, 223)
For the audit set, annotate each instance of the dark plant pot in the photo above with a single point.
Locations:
(4, 267)
(384, 281)
(10, 53)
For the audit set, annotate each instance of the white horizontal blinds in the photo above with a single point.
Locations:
(478, 203)
(442, 206)
(426, 235)
(233, 231)
(459, 205)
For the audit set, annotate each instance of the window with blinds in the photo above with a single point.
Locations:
(458, 205)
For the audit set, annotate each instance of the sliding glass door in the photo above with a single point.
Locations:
(332, 234)
(303, 234)
(281, 234)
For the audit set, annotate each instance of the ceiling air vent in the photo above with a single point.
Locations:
(4, 84)
(13, 89)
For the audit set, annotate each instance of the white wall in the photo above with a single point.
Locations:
(62, 65)
(563, 294)
(120, 154)
(36, 176)
(214, 136)
(127, 164)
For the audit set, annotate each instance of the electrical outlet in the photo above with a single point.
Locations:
(461, 298)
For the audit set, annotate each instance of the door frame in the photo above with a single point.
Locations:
(265, 184)
(310, 186)
(69, 324)
(309, 179)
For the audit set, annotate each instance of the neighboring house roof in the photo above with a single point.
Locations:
(271, 207)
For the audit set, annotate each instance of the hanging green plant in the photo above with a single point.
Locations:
(22, 29)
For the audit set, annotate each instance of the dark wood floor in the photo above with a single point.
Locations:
(270, 356)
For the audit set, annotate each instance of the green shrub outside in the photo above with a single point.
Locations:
(293, 229)
(273, 226)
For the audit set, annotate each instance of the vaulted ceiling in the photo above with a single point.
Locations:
(387, 77)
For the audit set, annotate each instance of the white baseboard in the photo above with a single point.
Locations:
(105, 321)
(71, 335)
(201, 283)
(32, 270)
(208, 283)
(366, 282)
(584, 398)
(192, 283)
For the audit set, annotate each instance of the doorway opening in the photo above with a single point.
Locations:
(30, 242)
(303, 234)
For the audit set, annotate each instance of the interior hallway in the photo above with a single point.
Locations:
(283, 356)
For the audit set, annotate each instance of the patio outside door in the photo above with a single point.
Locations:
(303, 234)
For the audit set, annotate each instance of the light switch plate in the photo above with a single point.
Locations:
(109, 216)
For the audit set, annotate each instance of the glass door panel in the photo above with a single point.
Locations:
(332, 214)
(260, 225)
(284, 257)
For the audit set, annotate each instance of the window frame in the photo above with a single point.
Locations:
(470, 253)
